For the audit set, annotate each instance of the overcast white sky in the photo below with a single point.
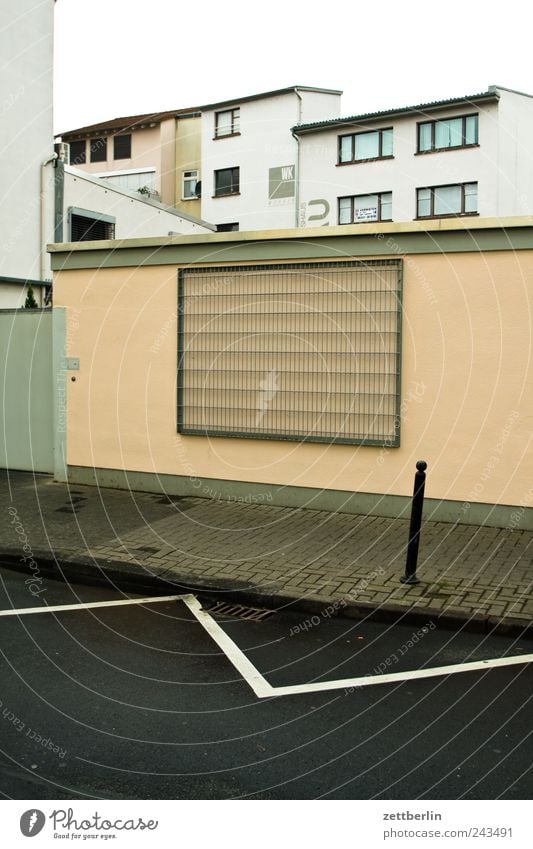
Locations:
(125, 57)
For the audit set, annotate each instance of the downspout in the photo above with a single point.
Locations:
(43, 214)
(297, 167)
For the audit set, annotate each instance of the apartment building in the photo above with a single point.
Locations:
(467, 156)
(232, 163)
(249, 156)
(286, 158)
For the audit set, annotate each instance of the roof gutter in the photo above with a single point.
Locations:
(297, 166)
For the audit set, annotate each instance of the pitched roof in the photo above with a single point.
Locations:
(131, 122)
(265, 94)
(419, 109)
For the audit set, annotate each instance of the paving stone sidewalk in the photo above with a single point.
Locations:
(477, 575)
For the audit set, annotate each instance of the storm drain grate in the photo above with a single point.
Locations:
(240, 611)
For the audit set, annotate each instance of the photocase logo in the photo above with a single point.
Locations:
(32, 822)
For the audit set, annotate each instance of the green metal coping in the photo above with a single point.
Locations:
(251, 248)
(390, 442)
(24, 280)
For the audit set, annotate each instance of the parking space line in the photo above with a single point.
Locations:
(395, 677)
(245, 667)
(263, 689)
(60, 608)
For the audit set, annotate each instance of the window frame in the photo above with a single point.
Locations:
(234, 123)
(92, 151)
(431, 189)
(433, 123)
(352, 199)
(353, 136)
(121, 136)
(232, 192)
(197, 180)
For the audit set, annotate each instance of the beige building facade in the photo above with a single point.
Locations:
(138, 153)
(313, 369)
(187, 165)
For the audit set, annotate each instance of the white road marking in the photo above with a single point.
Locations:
(394, 677)
(60, 608)
(252, 676)
(263, 689)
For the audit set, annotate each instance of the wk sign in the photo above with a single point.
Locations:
(281, 182)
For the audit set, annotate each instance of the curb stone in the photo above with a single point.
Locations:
(64, 564)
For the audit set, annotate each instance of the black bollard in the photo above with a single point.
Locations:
(415, 524)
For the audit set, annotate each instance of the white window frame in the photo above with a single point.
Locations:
(186, 177)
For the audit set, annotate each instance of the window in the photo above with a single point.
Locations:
(86, 226)
(448, 133)
(78, 155)
(227, 182)
(362, 147)
(98, 150)
(440, 201)
(354, 210)
(227, 123)
(122, 147)
(190, 185)
(301, 351)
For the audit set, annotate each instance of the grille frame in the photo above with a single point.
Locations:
(386, 370)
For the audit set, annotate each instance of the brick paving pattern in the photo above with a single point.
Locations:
(290, 553)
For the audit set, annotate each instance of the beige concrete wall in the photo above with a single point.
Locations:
(188, 158)
(466, 386)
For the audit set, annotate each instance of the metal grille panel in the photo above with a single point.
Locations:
(306, 352)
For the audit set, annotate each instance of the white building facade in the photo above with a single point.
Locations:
(42, 201)
(463, 157)
(26, 149)
(94, 209)
(249, 156)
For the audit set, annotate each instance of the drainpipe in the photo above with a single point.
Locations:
(297, 168)
(43, 214)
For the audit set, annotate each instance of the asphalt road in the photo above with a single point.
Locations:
(138, 702)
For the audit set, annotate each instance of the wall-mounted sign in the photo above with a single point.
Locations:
(281, 182)
(368, 213)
